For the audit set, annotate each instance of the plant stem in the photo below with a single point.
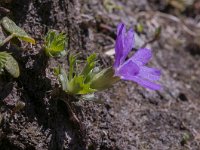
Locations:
(7, 39)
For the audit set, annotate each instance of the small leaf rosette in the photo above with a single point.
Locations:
(55, 44)
(77, 83)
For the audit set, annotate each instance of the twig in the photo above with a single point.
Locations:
(4, 10)
(155, 38)
(181, 22)
(172, 18)
(74, 117)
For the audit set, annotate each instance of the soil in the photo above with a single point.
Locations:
(124, 117)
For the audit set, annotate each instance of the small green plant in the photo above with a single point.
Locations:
(7, 61)
(74, 82)
(185, 138)
(55, 44)
(89, 80)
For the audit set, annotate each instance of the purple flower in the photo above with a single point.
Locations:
(134, 68)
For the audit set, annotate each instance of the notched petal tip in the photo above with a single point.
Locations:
(119, 45)
(157, 72)
(121, 28)
(148, 73)
(144, 82)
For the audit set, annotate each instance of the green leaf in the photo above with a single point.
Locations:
(72, 62)
(18, 32)
(63, 78)
(9, 63)
(3, 58)
(75, 83)
(90, 64)
(77, 86)
(2, 36)
(92, 73)
(12, 66)
(55, 44)
(104, 79)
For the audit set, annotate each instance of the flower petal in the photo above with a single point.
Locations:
(142, 56)
(121, 29)
(151, 74)
(119, 45)
(129, 68)
(145, 83)
(128, 44)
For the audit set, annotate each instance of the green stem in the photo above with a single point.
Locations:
(7, 39)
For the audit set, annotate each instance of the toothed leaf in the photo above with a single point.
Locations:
(55, 44)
